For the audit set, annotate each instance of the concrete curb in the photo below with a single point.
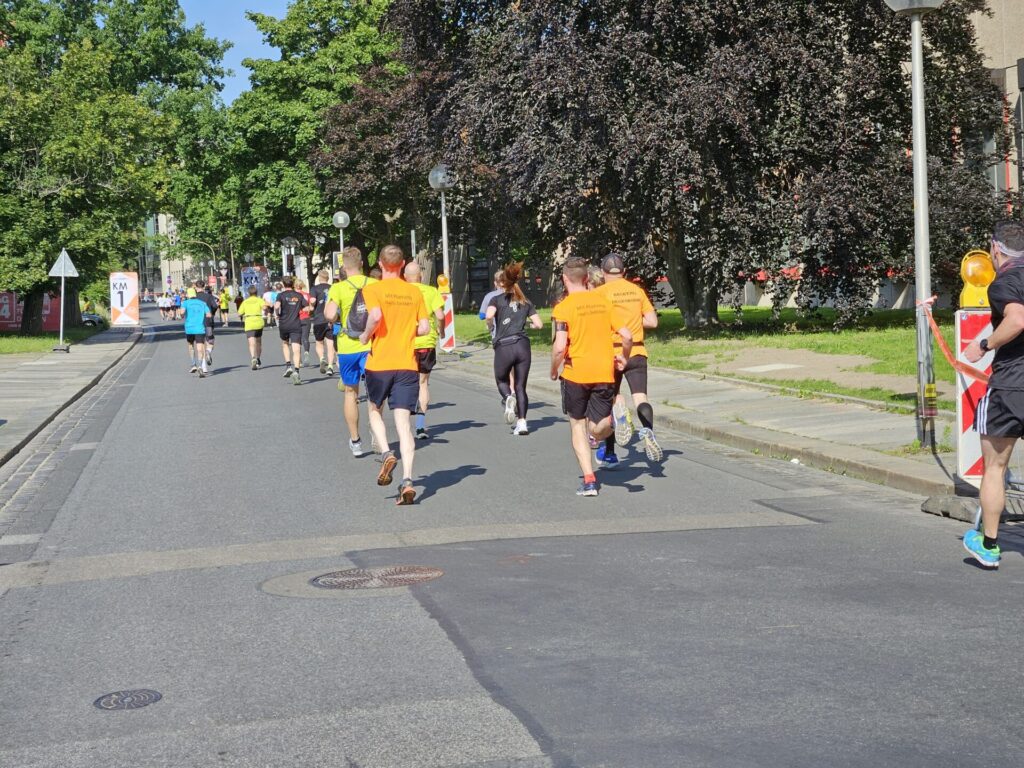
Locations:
(10, 453)
(883, 469)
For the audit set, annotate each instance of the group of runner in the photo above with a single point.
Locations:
(384, 332)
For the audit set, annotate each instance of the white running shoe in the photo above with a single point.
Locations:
(623, 424)
(356, 447)
(520, 428)
(651, 447)
(510, 409)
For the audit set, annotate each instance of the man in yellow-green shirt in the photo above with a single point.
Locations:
(251, 312)
(352, 355)
(425, 346)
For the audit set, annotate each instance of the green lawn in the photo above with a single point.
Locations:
(888, 336)
(15, 343)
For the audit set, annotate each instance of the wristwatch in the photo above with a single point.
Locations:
(984, 345)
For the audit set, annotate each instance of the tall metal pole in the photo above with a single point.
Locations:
(922, 250)
(412, 243)
(444, 237)
(61, 342)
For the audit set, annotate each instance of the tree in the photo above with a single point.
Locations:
(710, 140)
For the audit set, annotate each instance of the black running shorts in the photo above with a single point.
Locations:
(257, 334)
(323, 331)
(635, 375)
(1001, 413)
(290, 334)
(426, 359)
(400, 388)
(195, 338)
(589, 401)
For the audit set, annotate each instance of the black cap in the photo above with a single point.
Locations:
(612, 264)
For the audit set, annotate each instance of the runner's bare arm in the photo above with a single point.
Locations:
(536, 322)
(330, 311)
(627, 347)
(1008, 330)
(558, 348)
(651, 319)
(489, 314)
(423, 327)
(372, 321)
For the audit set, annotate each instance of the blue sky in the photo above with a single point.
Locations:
(225, 20)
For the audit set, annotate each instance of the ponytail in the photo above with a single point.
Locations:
(510, 281)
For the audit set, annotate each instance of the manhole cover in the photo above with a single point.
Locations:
(127, 699)
(377, 578)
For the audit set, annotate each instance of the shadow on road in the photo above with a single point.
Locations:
(437, 481)
(455, 426)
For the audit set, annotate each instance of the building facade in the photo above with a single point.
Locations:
(1001, 39)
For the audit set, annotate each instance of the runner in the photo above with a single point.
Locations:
(225, 304)
(287, 308)
(489, 297)
(425, 346)
(323, 332)
(251, 312)
(269, 298)
(305, 318)
(397, 315)
(506, 319)
(352, 354)
(634, 310)
(1000, 415)
(176, 305)
(196, 313)
(205, 293)
(583, 321)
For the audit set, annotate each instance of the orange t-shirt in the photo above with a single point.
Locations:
(402, 307)
(590, 358)
(629, 305)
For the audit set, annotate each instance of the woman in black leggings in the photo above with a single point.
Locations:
(506, 316)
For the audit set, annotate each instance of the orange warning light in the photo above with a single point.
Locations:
(442, 283)
(978, 272)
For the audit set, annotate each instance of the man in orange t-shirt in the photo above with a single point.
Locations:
(396, 316)
(634, 310)
(584, 322)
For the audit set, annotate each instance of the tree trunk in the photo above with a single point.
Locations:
(72, 309)
(696, 296)
(32, 313)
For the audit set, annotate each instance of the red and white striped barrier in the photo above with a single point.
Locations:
(970, 324)
(448, 334)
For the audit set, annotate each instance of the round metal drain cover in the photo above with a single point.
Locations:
(377, 578)
(127, 699)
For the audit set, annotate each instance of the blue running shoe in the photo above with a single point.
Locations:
(587, 489)
(974, 542)
(606, 460)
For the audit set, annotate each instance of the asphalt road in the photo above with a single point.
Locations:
(724, 610)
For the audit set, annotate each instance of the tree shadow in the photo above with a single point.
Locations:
(455, 426)
(444, 478)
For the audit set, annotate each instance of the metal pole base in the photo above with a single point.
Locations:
(62, 348)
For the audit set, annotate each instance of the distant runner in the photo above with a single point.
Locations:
(634, 310)
(205, 293)
(323, 331)
(583, 323)
(251, 311)
(305, 318)
(425, 346)
(225, 304)
(196, 314)
(507, 315)
(287, 308)
(397, 315)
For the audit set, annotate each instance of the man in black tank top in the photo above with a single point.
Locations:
(999, 418)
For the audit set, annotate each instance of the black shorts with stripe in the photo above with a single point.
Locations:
(1001, 413)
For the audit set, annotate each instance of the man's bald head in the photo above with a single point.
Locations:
(352, 259)
(413, 273)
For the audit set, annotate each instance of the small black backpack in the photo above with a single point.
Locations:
(358, 314)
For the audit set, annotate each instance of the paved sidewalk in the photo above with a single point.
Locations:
(35, 388)
(842, 437)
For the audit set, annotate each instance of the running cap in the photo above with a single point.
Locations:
(612, 264)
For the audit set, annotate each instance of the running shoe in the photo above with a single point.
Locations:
(296, 379)
(193, 369)
(593, 442)
(288, 371)
(651, 447)
(974, 542)
(606, 460)
(341, 385)
(510, 409)
(388, 464)
(623, 424)
(253, 365)
(356, 446)
(587, 489)
(520, 428)
(209, 358)
(202, 374)
(406, 493)
(323, 366)
(305, 357)
(330, 372)
(421, 434)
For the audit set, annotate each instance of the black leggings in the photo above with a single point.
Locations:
(509, 358)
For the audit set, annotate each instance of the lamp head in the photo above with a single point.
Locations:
(341, 220)
(903, 7)
(440, 178)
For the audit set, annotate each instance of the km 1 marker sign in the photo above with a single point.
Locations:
(124, 298)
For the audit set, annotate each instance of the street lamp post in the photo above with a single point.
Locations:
(926, 394)
(290, 244)
(441, 180)
(341, 220)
